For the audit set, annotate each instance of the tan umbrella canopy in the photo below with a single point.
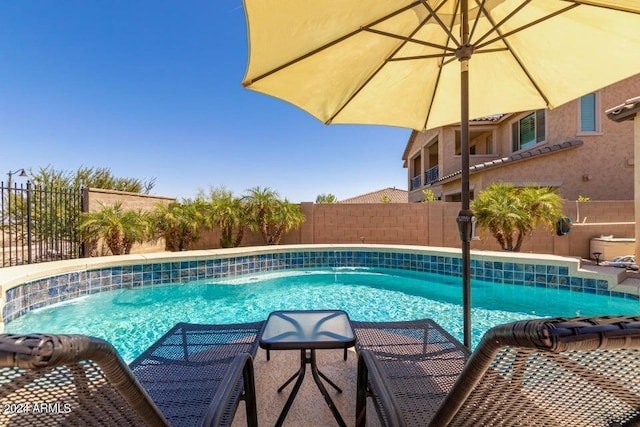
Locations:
(422, 64)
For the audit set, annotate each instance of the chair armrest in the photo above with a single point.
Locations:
(372, 381)
(226, 399)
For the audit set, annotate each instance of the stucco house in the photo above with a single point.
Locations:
(573, 147)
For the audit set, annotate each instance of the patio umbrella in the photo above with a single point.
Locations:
(422, 64)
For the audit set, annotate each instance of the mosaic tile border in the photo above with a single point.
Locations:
(63, 287)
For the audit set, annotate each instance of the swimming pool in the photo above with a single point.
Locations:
(133, 318)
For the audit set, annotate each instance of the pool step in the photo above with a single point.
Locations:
(628, 282)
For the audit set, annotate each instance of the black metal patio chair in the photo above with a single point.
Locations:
(542, 372)
(193, 375)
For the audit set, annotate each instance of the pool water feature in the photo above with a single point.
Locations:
(133, 318)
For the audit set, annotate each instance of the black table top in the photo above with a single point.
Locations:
(307, 329)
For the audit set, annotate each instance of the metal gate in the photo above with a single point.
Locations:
(39, 224)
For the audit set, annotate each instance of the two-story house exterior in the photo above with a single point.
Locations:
(573, 147)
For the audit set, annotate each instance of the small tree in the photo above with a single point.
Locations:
(88, 177)
(180, 223)
(385, 199)
(326, 199)
(271, 216)
(119, 228)
(511, 213)
(229, 213)
(429, 195)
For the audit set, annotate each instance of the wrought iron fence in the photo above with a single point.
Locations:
(431, 175)
(415, 182)
(38, 224)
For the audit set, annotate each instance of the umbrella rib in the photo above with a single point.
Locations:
(411, 58)
(435, 16)
(475, 23)
(524, 70)
(447, 62)
(442, 64)
(408, 39)
(524, 27)
(497, 49)
(357, 91)
(495, 27)
(328, 45)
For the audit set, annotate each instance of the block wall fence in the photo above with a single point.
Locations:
(94, 199)
(428, 224)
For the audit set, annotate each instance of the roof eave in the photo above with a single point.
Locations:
(405, 153)
(506, 161)
(624, 112)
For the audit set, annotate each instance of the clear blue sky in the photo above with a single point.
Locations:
(152, 89)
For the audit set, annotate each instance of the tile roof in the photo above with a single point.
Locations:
(626, 111)
(524, 155)
(395, 196)
(491, 118)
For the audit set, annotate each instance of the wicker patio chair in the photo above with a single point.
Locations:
(193, 375)
(406, 358)
(543, 372)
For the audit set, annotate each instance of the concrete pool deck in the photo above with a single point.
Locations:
(309, 407)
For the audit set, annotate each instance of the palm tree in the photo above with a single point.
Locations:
(120, 229)
(511, 213)
(271, 216)
(226, 211)
(180, 223)
(260, 202)
(285, 218)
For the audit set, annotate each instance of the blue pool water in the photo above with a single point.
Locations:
(132, 319)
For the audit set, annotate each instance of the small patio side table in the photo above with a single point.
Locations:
(308, 331)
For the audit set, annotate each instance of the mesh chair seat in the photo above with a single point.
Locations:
(556, 372)
(185, 378)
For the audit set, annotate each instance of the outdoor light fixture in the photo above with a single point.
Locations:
(21, 173)
(18, 193)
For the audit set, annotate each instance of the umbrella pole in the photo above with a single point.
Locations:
(465, 215)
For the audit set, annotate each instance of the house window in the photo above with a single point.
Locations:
(529, 130)
(588, 113)
(417, 166)
(490, 144)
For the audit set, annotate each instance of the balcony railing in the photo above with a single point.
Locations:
(431, 175)
(415, 182)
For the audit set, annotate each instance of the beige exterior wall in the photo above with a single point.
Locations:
(371, 223)
(95, 198)
(601, 168)
(636, 126)
(428, 224)
(590, 220)
(433, 224)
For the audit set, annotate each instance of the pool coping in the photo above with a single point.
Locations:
(13, 277)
